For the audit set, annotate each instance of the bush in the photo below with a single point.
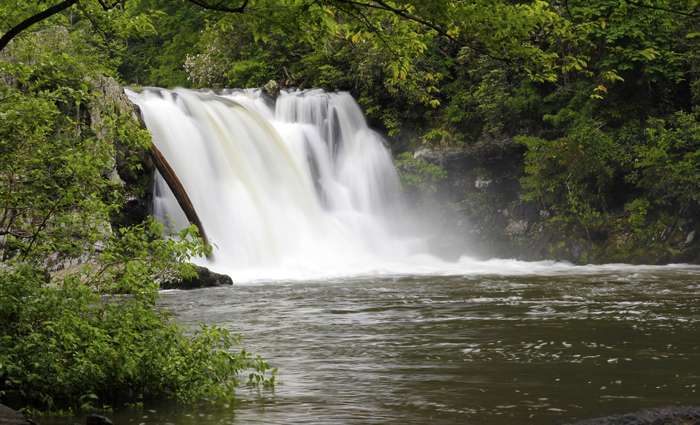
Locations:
(574, 172)
(96, 336)
(69, 343)
(669, 163)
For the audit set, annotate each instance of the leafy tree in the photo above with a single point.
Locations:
(97, 335)
(669, 163)
(66, 345)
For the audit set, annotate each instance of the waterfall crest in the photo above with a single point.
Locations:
(301, 187)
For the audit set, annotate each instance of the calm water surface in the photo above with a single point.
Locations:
(481, 349)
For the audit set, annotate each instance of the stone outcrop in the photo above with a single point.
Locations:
(689, 415)
(11, 417)
(95, 419)
(110, 96)
(135, 180)
(272, 89)
(206, 279)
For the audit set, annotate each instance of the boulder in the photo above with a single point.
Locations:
(11, 417)
(95, 419)
(679, 415)
(206, 279)
(272, 89)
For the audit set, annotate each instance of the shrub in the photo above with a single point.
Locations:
(70, 343)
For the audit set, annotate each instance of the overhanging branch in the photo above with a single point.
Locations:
(13, 32)
(693, 14)
(219, 7)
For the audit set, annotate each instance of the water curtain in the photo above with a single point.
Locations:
(300, 183)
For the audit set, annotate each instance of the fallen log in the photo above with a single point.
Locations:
(176, 187)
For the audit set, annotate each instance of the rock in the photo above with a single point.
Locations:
(623, 239)
(272, 89)
(482, 183)
(95, 419)
(516, 228)
(690, 237)
(206, 279)
(11, 417)
(680, 415)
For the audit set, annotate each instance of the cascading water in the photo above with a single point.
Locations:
(300, 188)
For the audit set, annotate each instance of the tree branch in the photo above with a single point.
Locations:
(217, 7)
(692, 14)
(13, 32)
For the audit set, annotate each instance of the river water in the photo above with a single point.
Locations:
(551, 345)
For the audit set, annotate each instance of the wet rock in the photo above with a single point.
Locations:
(690, 237)
(623, 239)
(482, 183)
(206, 279)
(95, 419)
(687, 415)
(272, 89)
(577, 249)
(483, 151)
(515, 228)
(11, 417)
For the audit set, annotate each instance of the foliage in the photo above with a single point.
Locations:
(417, 174)
(158, 58)
(574, 172)
(670, 161)
(51, 190)
(94, 336)
(63, 344)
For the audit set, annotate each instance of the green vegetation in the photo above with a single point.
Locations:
(96, 336)
(603, 95)
(70, 345)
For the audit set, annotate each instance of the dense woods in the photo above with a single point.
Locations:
(603, 97)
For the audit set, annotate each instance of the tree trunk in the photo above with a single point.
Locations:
(174, 183)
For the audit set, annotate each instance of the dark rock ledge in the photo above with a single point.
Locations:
(11, 417)
(206, 279)
(679, 415)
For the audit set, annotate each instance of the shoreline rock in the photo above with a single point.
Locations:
(11, 417)
(206, 279)
(677, 415)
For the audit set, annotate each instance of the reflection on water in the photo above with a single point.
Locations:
(456, 349)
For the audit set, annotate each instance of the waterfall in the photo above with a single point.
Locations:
(300, 187)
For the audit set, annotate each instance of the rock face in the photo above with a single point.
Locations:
(206, 279)
(689, 415)
(138, 181)
(482, 212)
(11, 417)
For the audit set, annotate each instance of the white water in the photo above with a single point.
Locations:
(298, 190)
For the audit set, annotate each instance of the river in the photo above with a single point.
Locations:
(548, 346)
